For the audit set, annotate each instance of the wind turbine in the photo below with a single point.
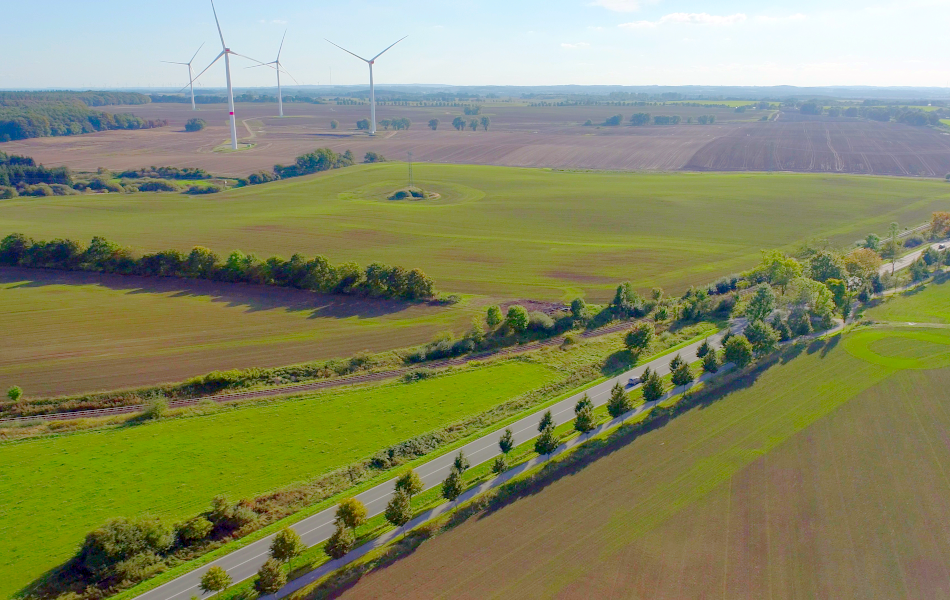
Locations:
(278, 67)
(372, 88)
(226, 53)
(191, 74)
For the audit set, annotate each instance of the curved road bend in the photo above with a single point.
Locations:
(906, 260)
(245, 562)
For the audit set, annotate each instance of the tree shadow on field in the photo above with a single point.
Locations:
(252, 298)
(582, 457)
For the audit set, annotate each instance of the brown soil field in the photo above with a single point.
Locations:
(827, 146)
(788, 488)
(519, 136)
(79, 332)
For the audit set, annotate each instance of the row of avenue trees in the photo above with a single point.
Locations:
(315, 274)
(460, 123)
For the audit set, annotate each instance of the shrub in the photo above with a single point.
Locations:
(121, 539)
(157, 186)
(270, 577)
(197, 190)
(195, 124)
(418, 374)
(374, 157)
(7, 192)
(14, 393)
(517, 318)
(156, 409)
(538, 321)
(334, 124)
(913, 241)
(194, 530)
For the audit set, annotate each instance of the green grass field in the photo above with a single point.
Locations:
(67, 485)
(927, 304)
(505, 232)
(72, 332)
(824, 474)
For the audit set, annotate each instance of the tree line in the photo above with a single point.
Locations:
(316, 274)
(32, 121)
(23, 170)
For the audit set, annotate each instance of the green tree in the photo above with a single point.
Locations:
(639, 338)
(825, 265)
(547, 420)
(500, 465)
(363, 124)
(762, 336)
(461, 463)
(458, 123)
(434, 124)
(270, 577)
(653, 387)
(682, 376)
(738, 351)
(452, 486)
(493, 316)
(840, 295)
(351, 513)
(486, 123)
(409, 482)
(779, 269)
(14, 393)
(386, 123)
(334, 124)
(584, 421)
(546, 443)
(195, 124)
(286, 546)
(215, 579)
(340, 543)
(507, 442)
(473, 124)
(194, 530)
(619, 402)
(761, 304)
(517, 319)
(676, 363)
(579, 309)
(399, 509)
(703, 349)
(711, 362)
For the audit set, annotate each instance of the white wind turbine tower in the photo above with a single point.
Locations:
(372, 88)
(226, 53)
(278, 67)
(191, 74)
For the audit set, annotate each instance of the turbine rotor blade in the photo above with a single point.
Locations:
(387, 49)
(286, 72)
(209, 66)
(348, 52)
(281, 45)
(248, 57)
(218, 23)
(196, 54)
(169, 62)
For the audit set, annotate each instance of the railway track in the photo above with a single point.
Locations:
(311, 385)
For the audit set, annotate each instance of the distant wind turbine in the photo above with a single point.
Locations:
(226, 53)
(191, 74)
(372, 88)
(278, 67)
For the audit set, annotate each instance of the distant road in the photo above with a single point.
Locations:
(245, 562)
(905, 261)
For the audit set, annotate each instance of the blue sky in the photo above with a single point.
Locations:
(108, 43)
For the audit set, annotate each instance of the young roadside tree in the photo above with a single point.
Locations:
(653, 387)
(703, 349)
(763, 338)
(399, 509)
(340, 543)
(517, 319)
(461, 463)
(584, 416)
(286, 546)
(507, 442)
(546, 443)
(409, 482)
(270, 577)
(500, 465)
(639, 338)
(14, 393)
(434, 124)
(493, 316)
(710, 363)
(486, 123)
(676, 363)
(215, 579)
(738, 351)
(547, 420)
(682, 376)
(452, 486)
(619, 403)
(351, 513)
(761, 304)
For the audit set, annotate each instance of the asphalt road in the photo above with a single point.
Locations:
(245, 562)
(905, 261)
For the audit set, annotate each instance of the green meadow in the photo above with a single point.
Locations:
(505, 232)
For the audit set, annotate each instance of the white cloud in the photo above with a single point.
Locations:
(768, 19)
(577, 46)
(688, 18)
(618, 5)
(279, 22)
